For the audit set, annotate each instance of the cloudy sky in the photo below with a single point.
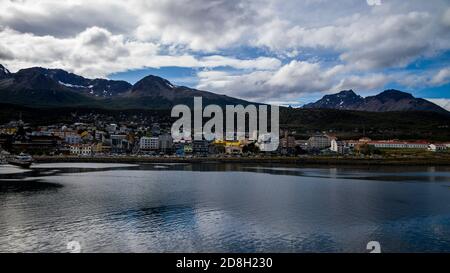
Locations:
(283, 51)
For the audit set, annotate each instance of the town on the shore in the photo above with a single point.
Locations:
(107, 139)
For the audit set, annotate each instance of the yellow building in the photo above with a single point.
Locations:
(231, 147)
(8, 131)
(227, 143)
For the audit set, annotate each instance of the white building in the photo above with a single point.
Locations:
(319, 142)
(149, 143)
(390, 144)
(338, 146)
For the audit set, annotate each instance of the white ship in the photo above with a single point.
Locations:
(23, 160)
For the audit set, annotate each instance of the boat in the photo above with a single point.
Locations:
(3, 156)
(23, 160)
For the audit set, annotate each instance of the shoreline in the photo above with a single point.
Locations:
(428, 161)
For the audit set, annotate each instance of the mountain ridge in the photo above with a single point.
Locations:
(42, 87)
(390, 100)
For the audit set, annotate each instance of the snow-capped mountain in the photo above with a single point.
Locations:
(386, 101)
(55, 87)
(342, 100)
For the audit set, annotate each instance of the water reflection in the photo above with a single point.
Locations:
(225, 208)
(19, 186)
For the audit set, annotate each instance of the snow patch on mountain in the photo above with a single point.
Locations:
(72, 85)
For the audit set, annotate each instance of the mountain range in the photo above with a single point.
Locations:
(41, 87)
(387, 101)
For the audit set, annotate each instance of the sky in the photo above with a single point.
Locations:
(273, 51)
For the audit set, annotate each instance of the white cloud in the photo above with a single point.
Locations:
(198, 24)
(261, 63)
(66, 18)
(287, 83)
(374, 2)
(299, 79)
(444, 103)
(342, 44)
(97, 52)
(356, 31)
(362, 83)
(365, 41)
(443, 76)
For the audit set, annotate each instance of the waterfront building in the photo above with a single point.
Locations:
(319, 142)
(339, 147)
(73, 139)
(149, 143)
(165, 143)
(200, 147)
(119, 144)
(393, 144)
(36, 144)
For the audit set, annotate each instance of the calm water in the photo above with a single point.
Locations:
(223, 208)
